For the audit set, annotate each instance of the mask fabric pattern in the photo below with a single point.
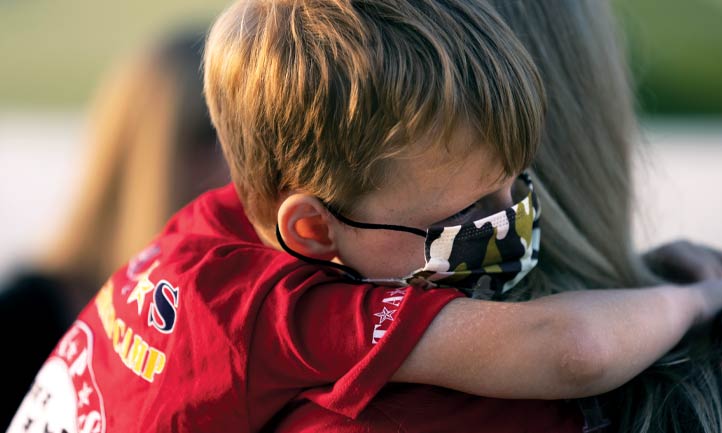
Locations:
(484, 258)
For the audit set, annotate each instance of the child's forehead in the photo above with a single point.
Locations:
(461, 157)
(440, 168)
(433, 185)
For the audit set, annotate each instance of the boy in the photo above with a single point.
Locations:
(337, 117)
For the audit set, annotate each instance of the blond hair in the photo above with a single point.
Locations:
(583, 176)
(148, 112)
(321, 96)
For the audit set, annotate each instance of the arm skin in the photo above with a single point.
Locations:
(568, 345)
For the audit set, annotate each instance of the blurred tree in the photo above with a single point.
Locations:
(54, 52)
(676, 53)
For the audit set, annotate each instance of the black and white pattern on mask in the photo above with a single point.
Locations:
(489, 255)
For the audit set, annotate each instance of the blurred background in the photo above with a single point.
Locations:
(55, 55)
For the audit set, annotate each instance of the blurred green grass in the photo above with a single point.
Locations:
(52, 53)
(676, 53)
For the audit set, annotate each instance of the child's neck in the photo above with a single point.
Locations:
(267, 236)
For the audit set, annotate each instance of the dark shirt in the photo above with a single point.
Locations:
(33, 317)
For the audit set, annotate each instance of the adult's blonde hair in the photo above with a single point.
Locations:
(321, 96)
(147, 114)
(583, 177)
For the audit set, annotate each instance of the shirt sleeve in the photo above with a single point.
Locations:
(339, 343)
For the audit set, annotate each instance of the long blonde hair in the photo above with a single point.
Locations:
(583, 176)
(147, 114)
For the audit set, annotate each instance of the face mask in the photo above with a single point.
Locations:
(483, 258)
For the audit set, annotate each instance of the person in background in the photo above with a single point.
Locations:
(152, 149)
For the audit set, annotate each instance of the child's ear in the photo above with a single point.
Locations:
(304, 225)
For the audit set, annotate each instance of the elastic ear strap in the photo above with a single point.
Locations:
(347, 270)
(360, 225)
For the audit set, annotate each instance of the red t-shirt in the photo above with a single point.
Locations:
(402, 408)
(208, 330)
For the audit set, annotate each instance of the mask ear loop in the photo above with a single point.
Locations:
(360, 225)
(353, 274)
(347, 270)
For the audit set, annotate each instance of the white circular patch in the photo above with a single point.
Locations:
(64, 397)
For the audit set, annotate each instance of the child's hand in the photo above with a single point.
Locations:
(685, 262)
(710, 298)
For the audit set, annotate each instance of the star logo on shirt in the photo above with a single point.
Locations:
(83, 395)
(68, 351)
(385, 315)
(396, 292)
(143, 287)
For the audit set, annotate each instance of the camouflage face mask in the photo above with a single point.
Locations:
(484, 258)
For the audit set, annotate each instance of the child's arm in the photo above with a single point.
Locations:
(568, 345)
